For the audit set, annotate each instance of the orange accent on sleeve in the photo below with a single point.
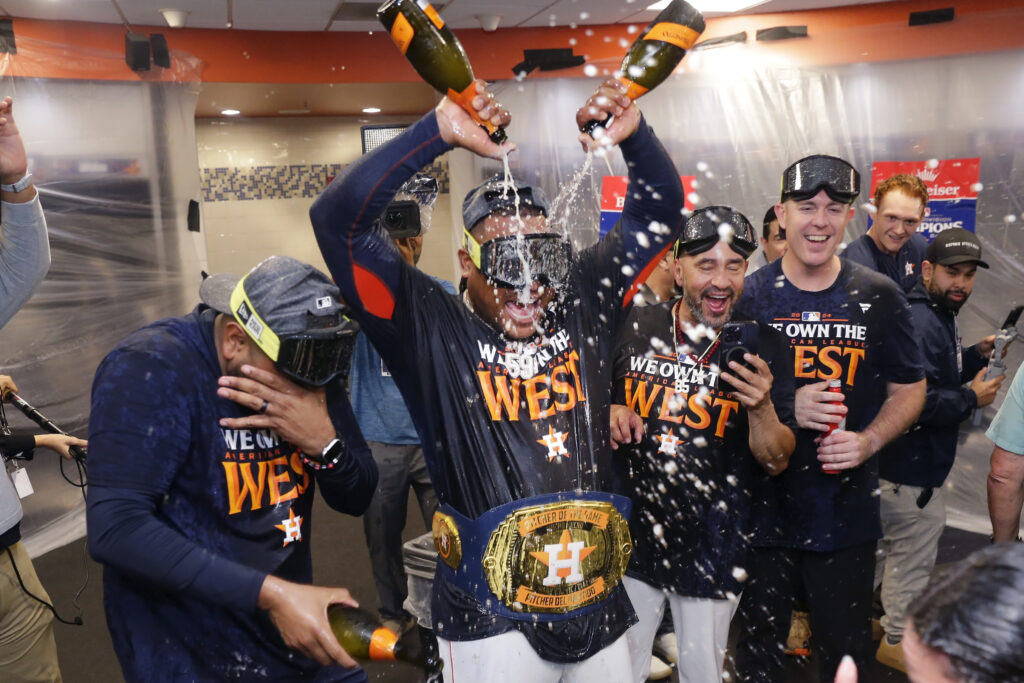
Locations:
(375, 295)
(382, 644)
(642, 277)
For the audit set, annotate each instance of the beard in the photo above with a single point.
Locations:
(943, 299)
(694, 303)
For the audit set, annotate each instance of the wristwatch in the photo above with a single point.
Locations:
(328, 457)
(20, 185)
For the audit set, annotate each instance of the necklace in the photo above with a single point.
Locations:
(677, 331)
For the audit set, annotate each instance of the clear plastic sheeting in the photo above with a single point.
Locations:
(735, 120)
(116, 165)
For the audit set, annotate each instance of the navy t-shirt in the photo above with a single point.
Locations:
(904, 269)
(691, 477)
(857, 330)
(190, 517)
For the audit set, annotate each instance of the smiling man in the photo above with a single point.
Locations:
(509, 388)
(914, 466)
(892, 245)
(695, 448)
(821, 522)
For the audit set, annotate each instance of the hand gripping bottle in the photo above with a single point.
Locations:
(436, 54)
(655, 54)
(363, 637)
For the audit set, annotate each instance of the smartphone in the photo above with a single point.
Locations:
(1012, 318)
(738, 338)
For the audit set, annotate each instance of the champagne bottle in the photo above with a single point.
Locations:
(436, 54)
(655, 54)
(363, 637)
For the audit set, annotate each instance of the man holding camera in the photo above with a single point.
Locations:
(860, 383)
(386, 424)
(697, 422)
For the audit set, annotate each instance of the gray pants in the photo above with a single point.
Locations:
(399, 467)
(906, 554)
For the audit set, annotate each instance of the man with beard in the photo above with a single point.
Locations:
(820, 519)
(693, 447)
(914, 466)
(508, 387)
(892, 246)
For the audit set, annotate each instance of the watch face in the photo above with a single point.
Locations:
(332, 451)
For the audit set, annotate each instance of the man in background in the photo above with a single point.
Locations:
(892, 245)
(773, 242)
(914, 466)
(387, 426)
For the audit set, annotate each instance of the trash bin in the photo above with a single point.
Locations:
(419, 556)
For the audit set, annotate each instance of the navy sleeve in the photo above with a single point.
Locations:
(652, 216)
(901, 351)
(973, 363)
(946, 401)
(139, 414)
(349, 486)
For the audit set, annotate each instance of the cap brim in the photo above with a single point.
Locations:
(216, 290)
(954, 260)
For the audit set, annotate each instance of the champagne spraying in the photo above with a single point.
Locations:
(655, 54)
(436, 54)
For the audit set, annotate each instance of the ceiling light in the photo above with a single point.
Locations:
(175, 18)
(712, 5)
(229, 112)
(371, 110)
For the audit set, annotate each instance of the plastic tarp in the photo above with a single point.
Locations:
(736, 121)
(115, 164)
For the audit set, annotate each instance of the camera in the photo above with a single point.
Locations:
(401, 219)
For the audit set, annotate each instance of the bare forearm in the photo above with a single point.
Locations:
(771, 442)
(898, 413)
(1005, 494)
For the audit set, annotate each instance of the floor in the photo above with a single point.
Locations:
(340, 558)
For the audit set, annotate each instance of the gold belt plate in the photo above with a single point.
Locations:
(557, 557)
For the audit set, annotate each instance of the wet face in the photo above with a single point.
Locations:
(775, 245)
(897, 219)
(949, 286)
(814, 228)
(518, 313)
(925, 664)
(711, 282)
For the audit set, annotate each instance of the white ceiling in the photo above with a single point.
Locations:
(354, 15)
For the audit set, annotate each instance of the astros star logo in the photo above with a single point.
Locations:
(292, 527)
(555, 441)
(910, 269)
(669, 443)
(564, 559)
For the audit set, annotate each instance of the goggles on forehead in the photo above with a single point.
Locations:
(315, 356)
(519, 260)
(810, 175)
(704, 228)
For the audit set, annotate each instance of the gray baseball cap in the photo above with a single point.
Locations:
(494, 195)
(280, 295)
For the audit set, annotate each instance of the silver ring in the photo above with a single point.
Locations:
(263, 408)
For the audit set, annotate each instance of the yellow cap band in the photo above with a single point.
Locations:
(259, 331)
(472, 247)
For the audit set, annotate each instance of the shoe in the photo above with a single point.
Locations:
(659, 669)
(876, 630)
(798, 643)
(891, 655)
(666, 647)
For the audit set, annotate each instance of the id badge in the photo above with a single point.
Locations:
(22, 484)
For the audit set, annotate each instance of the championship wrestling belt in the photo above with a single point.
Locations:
(546, 558)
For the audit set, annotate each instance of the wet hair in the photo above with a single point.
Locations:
(766, 226)
(974, 614)
(910, 185)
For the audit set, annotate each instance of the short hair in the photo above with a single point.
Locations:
(974, 614)
(766, 227)
(910, 185)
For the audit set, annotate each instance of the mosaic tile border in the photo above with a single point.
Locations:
(244, 183)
